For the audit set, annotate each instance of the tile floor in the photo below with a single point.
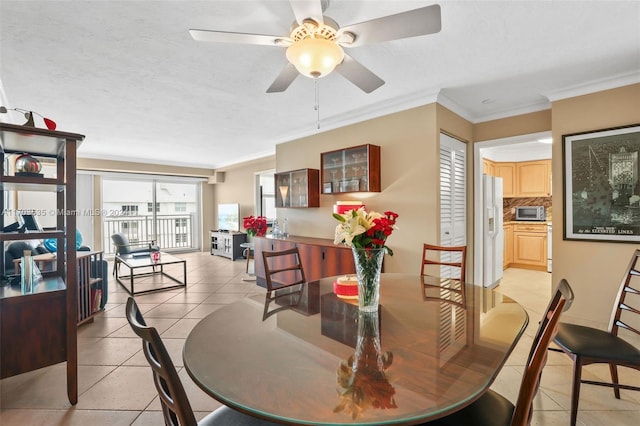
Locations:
(114, 379)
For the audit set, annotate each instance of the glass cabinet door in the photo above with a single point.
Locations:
(297, 188)
(355, 169)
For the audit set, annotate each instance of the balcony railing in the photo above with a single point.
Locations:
(172, 232)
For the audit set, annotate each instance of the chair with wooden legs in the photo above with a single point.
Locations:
(282, 269)
(452, 262)
(587, 345)
(492, 409)
(173, 398)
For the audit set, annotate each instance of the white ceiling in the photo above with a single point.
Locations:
(128, 75)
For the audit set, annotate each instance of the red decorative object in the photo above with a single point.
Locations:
(341, 207)
(51, 125)
(255, 225)
(346, 287)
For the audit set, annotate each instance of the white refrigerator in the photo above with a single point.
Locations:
(492, 231)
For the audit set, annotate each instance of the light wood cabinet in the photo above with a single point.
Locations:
(530, 246)
(507, 171)
(508, 245)
(488, 167)
(534, 178)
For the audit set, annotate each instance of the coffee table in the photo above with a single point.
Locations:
(137, 262)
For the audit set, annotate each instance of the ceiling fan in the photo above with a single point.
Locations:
(315, 43)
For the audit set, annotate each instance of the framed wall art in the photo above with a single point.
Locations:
(601, 189)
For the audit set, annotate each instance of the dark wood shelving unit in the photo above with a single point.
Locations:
(354, 169)
(39, 329)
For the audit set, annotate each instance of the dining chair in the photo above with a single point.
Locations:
(173, 398)
(586, 345)
(452, 262)
(282, 269)
(493, 409)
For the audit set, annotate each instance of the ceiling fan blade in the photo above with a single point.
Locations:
(358, 74)
(407, 24)
(304, 9)
(284, 79)
(242, 38)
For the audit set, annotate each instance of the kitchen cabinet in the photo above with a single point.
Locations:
(530, 246)
(39, 328)
(319, 257)
(508, 245)
(354, 169)
(533, 178)
(298, 188)
(523, 179)
(507, 171)
(488, 167)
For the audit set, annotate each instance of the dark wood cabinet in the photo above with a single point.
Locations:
(298, 188)
(320, 257)
(354, 169)
(39, 328)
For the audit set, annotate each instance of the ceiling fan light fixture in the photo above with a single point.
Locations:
(315, 57)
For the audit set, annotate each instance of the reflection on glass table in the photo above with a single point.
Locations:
(436, 356)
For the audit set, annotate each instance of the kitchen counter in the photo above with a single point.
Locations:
(528, 222)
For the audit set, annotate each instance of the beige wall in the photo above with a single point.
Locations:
(408, 143)
(239, 187)
(594, 269)
(524, 124)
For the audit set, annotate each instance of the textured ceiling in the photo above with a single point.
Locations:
(128, 75)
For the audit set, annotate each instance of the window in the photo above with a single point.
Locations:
(129, 210)
(181, 222)
(129, 225)
(181, 239)
(150, 208)
(265, 197)
(180, 207)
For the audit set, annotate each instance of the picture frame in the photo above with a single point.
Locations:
(601, 169)
(327, 188)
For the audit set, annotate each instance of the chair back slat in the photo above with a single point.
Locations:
(561, 301)
(452, 257)
(283, 269)
(627, 306)
(173, 398)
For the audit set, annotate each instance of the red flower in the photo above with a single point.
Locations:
(255, 225)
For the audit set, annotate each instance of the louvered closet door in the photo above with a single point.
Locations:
(453, 197)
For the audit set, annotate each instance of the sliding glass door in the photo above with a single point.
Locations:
(145, 209)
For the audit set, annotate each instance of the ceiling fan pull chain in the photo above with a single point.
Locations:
(317, 104)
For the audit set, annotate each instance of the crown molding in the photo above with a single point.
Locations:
(594, 86)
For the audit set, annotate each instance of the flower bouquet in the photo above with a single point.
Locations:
(366, 233)
(255, 225)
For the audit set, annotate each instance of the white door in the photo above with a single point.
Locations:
(453, 193)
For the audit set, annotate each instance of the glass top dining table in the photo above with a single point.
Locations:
(309, 357)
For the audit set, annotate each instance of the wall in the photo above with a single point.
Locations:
(239, 187)
(409, 174)
(91, 164)
(534, 122)
(594, 269)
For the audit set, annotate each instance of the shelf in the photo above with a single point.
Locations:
(19, 183)
(18, 139)
(354, 169)
(30, 235)
(46, 285)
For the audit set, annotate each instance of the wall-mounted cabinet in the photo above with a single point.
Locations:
(355, 169)
(522, 179)
(298, 188)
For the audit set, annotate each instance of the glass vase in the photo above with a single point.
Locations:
(368, 267)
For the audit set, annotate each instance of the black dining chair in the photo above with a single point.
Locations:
(588, 345)
(173, 398)
(493, 409)
(452, 262)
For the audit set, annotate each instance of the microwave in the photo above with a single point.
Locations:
(532, 213)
